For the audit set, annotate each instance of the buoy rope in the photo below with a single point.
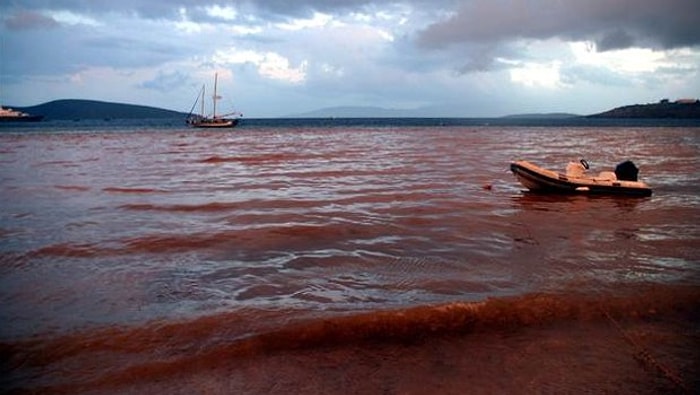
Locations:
(644, 356)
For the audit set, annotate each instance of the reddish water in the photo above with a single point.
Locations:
(345, 260)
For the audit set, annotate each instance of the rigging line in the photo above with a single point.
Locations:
(643, 355)
(195, 102)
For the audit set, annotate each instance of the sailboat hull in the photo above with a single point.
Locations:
(218, 123)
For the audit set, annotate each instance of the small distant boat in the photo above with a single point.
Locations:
(624, 181)
(201, 120)
(9, 115)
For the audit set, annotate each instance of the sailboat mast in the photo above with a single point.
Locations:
(202, 112)
(216, 77)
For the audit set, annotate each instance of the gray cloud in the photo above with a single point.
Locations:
(617, 39)
(166, 81)
(484, 58)
(29, 20)
(589, 74)
(170, 10)
(611, 24)
(148, 9)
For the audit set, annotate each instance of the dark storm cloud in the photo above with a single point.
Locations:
(612, 24)
(617, 39)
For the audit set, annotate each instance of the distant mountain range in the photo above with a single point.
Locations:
(551, 115)
(359, 112)
(378, 112)
(663, 109)
(73, 109)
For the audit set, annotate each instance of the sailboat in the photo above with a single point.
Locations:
(201, 120)
(9, 115)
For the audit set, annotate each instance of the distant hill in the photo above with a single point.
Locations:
(421, 112)
(663, 109)
(73, 109)
(357, 112)
(685, 109)
(553, 115)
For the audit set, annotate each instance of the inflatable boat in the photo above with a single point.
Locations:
(624, 181)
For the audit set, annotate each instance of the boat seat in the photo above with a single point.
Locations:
(607, 175)
(575, 169)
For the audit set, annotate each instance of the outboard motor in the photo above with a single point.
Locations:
(626, 171)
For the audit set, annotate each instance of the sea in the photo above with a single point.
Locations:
(345, 256)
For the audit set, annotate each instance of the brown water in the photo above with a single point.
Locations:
(401, 260)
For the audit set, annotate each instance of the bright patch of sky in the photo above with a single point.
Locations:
(631, 60)
(318, 20)
(544, 75)
(268, 64)
(72, 18)
(185, 24)
(227, 13)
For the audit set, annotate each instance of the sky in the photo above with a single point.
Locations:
(459, 58)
